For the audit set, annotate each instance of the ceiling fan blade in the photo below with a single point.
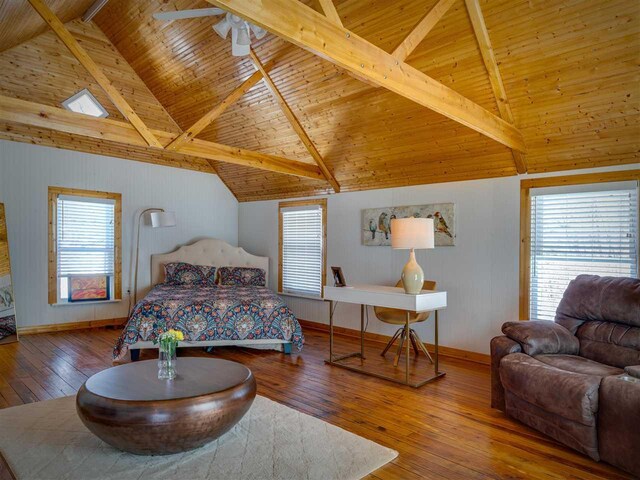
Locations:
(182, 14)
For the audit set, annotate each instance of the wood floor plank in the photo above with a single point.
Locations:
(443, 430)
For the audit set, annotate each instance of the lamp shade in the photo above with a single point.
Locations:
(412, 233)
(163, 219)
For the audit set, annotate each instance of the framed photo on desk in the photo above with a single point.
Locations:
(338, 277)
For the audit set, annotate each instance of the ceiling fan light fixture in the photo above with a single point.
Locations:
(222, 28)
(243, 36)
(240, 29)
(258, 32)
(235, 21)
(238, 49)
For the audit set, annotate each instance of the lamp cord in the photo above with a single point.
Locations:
(366, 309)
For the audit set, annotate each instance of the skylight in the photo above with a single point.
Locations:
(85, 102)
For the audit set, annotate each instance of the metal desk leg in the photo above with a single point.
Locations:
(331, 331)
(408, 350)
(335, 360)
(362, 307)
(436, 344)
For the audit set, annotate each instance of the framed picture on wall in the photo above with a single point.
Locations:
(376, 222)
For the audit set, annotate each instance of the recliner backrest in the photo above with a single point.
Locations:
(604, 313)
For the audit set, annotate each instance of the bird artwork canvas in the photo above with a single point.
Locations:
(376, 222)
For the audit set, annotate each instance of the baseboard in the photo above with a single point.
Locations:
(451, 352)
(62, 327)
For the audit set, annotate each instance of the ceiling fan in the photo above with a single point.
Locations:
(240, 29)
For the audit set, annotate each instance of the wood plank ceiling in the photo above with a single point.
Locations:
(21, 23)
(570, 72)
(43, 71)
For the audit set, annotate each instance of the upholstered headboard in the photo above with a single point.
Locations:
(208, 251)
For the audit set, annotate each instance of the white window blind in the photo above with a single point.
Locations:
(582, 232)
(85, 239)
(302, 247)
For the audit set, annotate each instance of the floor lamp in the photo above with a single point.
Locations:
(159, 218)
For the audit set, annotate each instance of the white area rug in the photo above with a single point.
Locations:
(47, 440)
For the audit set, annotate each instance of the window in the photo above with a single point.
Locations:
(577, 229)
(84, 102)
(84, 246)
(303, 234)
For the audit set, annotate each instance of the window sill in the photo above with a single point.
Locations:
(300, 295)
(74, 304)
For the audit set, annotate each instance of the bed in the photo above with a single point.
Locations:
(209, 316)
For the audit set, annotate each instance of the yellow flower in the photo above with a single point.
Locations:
(175, 335)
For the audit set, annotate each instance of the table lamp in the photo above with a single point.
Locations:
(411, 233)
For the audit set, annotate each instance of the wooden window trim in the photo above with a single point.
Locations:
(525, 218)
(5, 254)
(54, 192)
(322, 202)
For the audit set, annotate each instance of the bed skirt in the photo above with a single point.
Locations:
(258, 344)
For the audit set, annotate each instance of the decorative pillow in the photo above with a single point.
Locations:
(186, 274)
(243, 276)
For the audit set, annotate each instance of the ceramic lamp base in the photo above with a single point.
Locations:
(412, 275)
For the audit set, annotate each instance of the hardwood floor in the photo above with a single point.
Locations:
(442, 430)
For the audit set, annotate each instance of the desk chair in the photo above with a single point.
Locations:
(395, 316)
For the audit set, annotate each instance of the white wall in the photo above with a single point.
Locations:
(480, 273)
(203, 205)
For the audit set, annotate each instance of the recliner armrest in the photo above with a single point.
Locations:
(500, 348)
(542, 337)
(633, 371)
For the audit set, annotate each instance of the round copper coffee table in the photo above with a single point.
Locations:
(130, 409)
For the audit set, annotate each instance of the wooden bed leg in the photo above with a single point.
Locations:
(286, 348)
(135, 354)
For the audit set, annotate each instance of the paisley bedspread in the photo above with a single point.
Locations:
(210, 313)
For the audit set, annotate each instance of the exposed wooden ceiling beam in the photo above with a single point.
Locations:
(249, 158)
(295, 124)
(330, 11)
(420, 31)
(81, 55)
(214, 113)
(520, 161)
(52, 118)
(303, 26)
(490, 62)
(15, 132)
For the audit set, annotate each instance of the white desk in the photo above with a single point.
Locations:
(381, 296)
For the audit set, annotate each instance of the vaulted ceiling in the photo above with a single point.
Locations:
(570, 73)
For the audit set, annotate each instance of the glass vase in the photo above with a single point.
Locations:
(167, 361)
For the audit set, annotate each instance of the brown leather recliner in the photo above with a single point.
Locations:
(578, 379)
